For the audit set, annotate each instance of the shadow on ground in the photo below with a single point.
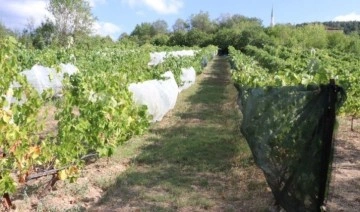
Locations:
(199, 162)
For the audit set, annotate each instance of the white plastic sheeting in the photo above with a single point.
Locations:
(188, 77)
(156, 58)
(159, 57)
(158, 95)
(43, 78)
(182, 53)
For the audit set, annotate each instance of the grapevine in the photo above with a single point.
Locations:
(94, 115)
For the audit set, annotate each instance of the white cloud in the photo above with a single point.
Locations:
(106, 29)
(16, 14)
(348, 17)
(159, 6)
(93, 3)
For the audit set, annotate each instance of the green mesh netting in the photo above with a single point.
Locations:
(289, 131)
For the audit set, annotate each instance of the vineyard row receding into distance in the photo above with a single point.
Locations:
(283, 66)
(99, 104)
(96, 112)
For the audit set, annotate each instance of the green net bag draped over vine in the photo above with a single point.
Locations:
(289, 130)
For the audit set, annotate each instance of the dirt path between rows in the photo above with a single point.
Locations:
(344, 191)
(196, 159)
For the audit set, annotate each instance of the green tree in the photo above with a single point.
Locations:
(159, 27)
(180, 25)
(144, 30)
(252, 36)
(283, 34)
(239, 31)
(337, 40)
(353, 43)
(202, 22)
(237, 22)
(226, 37)
(43, 35)
(177, 38)
(312, 36)
(155, 32)
(160, 40)
(72, 18)
(196, 37)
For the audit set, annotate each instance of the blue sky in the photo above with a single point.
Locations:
(118, 16)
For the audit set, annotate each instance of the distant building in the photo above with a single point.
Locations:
(272, 22)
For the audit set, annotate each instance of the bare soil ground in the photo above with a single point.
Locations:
(344, 192)
(195, 159)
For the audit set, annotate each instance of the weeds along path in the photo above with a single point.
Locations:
(194, 159)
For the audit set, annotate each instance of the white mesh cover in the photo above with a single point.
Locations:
(188, 77)
(43, 78)
(158, 95)
(156, 58)
(159, 57)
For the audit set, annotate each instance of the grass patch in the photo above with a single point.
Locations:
(195, 159)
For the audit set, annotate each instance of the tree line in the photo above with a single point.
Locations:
(74, 20)
(347, 27)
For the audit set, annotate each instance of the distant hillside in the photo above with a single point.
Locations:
(346, 26)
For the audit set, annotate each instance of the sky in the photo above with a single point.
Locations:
(115, 17)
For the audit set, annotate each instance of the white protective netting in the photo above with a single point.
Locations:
(41, 78)
(159, 57)
(158, 95)
(188, 77)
